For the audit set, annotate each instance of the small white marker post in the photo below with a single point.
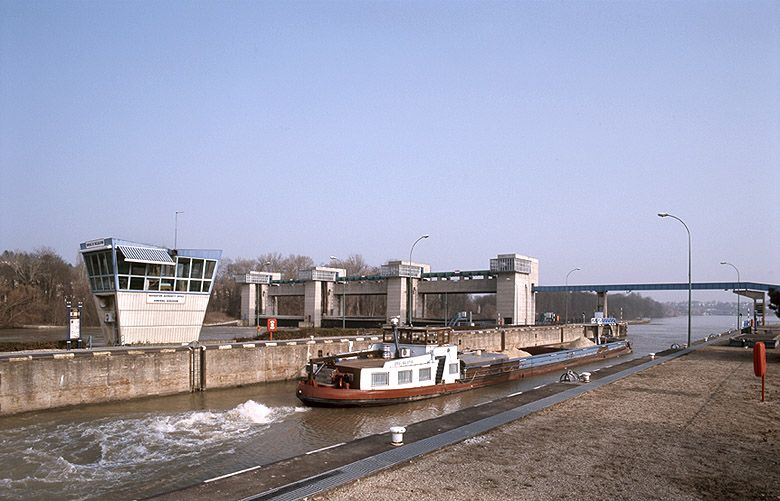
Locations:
(397, 435)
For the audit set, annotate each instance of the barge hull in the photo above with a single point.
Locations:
(318, 395)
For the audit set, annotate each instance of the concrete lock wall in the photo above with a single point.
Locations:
(251, 363)
(63, 379)
(49, 380)
(508, 338)
(46, 381)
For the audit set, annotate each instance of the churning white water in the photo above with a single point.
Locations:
(59, 460)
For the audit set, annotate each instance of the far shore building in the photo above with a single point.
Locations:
(147, 293)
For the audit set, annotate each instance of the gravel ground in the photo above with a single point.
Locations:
(692, 428)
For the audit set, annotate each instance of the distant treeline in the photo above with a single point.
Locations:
(621, 306)
(35, 285)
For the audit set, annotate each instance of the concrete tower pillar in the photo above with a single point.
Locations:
(601, 303)
(403, 279)
(262, 299)
(312, 304)
(254, 294)
(396, 298)
(421, 302)
(515, 277)
(318, 293)
(331, 304)
(248, 304)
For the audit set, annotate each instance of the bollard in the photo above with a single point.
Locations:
(67, 345)
(397, 435)
(759, 364)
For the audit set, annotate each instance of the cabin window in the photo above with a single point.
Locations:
(197, 268)
(100, 268)
(404, 377)
(183, 267)
(380, 379)
(425, 374)
(454, 368)
(210, 266)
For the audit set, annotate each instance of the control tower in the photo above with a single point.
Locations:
(147, 293)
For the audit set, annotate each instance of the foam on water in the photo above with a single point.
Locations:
(110, 451)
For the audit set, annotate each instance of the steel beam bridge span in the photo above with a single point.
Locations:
(735, 286)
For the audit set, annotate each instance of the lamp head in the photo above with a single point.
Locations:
(425, 236)
(723, 262)
(334, 258)
(663, 214)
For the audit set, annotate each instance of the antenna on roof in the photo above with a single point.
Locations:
(176, 229)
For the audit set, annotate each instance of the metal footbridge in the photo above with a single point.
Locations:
(670, 286)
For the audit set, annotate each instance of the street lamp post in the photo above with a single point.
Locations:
(566, 282)
(666, 214)
(410, 292)
(343, 297)
(739, 281)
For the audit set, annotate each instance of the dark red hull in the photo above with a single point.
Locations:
(313, 394)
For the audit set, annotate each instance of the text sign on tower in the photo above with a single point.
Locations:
(271, 325)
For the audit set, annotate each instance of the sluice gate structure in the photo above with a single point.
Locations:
(405, 285)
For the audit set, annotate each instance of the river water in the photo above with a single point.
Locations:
(140, 448)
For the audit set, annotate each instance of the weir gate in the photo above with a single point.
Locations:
(405, 285)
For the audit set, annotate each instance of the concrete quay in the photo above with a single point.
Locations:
(690, 427)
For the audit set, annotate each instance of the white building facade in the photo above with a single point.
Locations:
(147, 294)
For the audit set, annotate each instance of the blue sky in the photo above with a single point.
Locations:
(552, 129)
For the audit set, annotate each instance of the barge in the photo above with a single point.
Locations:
(419, 363)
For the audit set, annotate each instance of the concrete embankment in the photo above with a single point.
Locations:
(32, 381)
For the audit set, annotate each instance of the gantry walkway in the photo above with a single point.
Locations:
(735, 286)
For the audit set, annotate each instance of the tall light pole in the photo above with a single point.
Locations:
(566, 281)
(410, 292)
(666, 214)
(738, 285)
(343, 297)
(176, 229)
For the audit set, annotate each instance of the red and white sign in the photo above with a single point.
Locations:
(272, 325)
